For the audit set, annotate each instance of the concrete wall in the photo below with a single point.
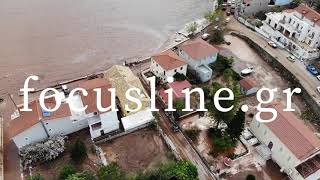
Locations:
(285, 73)
(64, 126)
(253, 7)
(34, 134)
(279, 152)
(163, 74)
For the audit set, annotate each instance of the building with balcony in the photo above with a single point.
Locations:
(199, 54)
(297, 30)
(292, 145)
(167, 64)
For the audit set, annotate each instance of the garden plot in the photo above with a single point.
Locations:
(137, 151)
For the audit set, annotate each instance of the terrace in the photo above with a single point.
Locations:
(310, 168)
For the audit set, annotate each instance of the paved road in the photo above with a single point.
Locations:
(308, 81)
(183, 147)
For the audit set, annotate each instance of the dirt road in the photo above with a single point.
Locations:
(297, 68)
(183, 147)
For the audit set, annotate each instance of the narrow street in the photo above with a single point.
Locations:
(297, 68)
(184, 149)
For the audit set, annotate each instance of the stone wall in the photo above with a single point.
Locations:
(285, 73)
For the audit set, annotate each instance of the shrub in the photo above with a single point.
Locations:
(43, 151)
(36, 177)
(85, 175)
(250, 177)
(193, 133)
(78, 151)
(179, 77)
(111, 172)
(66, 171)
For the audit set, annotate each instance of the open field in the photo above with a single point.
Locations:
(137, 151)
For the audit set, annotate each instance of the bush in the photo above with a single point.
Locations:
(179, 77)
(261, 15)
(221, 64)
(36, 177)
(66, 171)
(250, 177)
(193, 133)
(43, 151)
(78, 151)
(111, 172)
(192, 28)
(85, 175)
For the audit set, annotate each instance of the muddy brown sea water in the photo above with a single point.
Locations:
(63, 39)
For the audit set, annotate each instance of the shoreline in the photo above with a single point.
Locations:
(168, 44)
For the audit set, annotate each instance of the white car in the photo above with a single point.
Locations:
(318, 88)
(205, 36)
(247, 71)
(227, 20)
(253, 141)
(291, 58)
(318, 77)
(272, 44)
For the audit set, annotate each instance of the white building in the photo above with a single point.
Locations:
(199, 54)
(294, 147)
(251, 7)
(27, 128)
(100, 123)
(167, 64)
(37, 125)
(297, 30)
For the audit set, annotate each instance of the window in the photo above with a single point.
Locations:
(265, 132)
(26, 139)
(75, 120)
(157, 65)
(258, 125)
(289, 20)
(164, 72)
(175, 70)
(281, 149)
(289, 158)
(181, 68)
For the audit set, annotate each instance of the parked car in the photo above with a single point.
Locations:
(175, 128)
(318, 77)
(247, 134)
(227, 20)
(247, 71)
(318, 88)
(205, 36)
(312, 69)
(272, 44)
(291, 58)
(228, 13)
(253, 141)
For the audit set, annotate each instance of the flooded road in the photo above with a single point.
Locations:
(62, 39)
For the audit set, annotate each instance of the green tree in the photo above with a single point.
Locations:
(214, 113)
(111, 172)
(250, 177)
(236, 126)
(85, 175)
(78, 151)
(221, 64)
(66, 171)
(181, 170)
(179, 77)
(216, 36)
(317, 5)
(193, 133)
(36, 177)
(191, 28)
(228, 74)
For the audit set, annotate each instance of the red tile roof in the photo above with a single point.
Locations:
(91, 99)
(308, 13)
(198, 48)
(292, 132)
(63, 111)
(247, 83)
(25, 120)
(177, 87)
(168, 60)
